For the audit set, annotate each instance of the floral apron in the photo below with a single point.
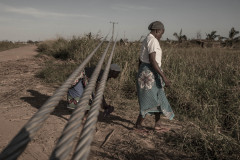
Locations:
(151, 95)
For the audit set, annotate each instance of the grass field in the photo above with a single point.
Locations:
(205, 90)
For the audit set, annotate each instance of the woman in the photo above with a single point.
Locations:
(151, 80)
(75, 92)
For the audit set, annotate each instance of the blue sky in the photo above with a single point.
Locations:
(47, 19)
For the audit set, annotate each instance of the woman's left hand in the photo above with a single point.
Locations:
(167, 82)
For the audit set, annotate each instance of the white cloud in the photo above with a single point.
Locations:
(38, 13)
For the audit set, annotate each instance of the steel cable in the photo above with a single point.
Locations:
(25, 135)
(65, 143)
(83, 146)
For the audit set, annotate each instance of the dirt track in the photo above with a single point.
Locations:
(22, 94)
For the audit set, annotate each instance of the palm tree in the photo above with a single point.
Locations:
(232, 37)
(212, 36)
(232, 34)
(180, 37)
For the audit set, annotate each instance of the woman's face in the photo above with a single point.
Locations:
(113, 74)
(159, 33)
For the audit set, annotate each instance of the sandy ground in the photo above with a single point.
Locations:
(21, 95)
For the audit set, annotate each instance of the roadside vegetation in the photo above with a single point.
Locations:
(5, 45)
(205, 90)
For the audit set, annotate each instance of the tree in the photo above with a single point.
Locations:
(232, 37)
(30, 42)
(180, 37)
(212, 36)
(232, 34)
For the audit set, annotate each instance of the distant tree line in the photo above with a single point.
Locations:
(210, 38)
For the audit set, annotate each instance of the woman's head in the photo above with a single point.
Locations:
(157, 29)
(114, 71)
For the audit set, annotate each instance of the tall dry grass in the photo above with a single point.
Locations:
(205, 90)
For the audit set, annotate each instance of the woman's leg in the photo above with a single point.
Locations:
(158, 127)
(85, 116)
(157, 120)
(139, 121)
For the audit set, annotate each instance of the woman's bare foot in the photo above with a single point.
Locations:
(84, 120)
(85, 117)
(141, 129)
(160, 129)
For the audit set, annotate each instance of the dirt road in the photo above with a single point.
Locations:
(18, 53)
(22, 94)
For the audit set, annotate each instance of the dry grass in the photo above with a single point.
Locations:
(205, 91)
(5, 45)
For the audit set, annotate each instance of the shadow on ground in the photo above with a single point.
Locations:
(128, 152)
(128, 148)
(115, 119)
(37, 99)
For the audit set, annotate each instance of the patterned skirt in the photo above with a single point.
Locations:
(151, 95)
(72, 102)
